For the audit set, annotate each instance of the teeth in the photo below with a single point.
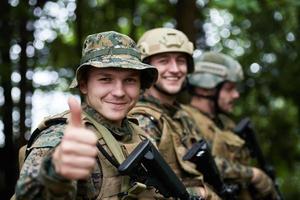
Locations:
(172, 78)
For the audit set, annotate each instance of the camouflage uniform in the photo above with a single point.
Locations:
(224, 122)
(227, 148)
(231, 155)
(38, 178)
(169, 126)
(174, 132)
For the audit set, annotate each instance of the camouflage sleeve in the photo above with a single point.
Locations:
(233, 170)
(150, 126)
(38, 179)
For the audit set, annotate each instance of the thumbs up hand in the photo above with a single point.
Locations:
(75, 157)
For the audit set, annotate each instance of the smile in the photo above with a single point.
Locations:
(172, 78)
(117, 103)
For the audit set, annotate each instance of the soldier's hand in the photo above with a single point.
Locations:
(209, 194)
(262, 182)
(75, 157)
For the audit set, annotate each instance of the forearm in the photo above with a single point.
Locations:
(234, 170)
(38, 179)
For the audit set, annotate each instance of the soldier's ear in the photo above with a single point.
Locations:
(83, 79)
(83, 86)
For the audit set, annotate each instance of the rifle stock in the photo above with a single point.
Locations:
(245, 130)
(200, 155)
(145, 164)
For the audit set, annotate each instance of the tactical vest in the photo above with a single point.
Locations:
(111, 180)
(224, 144)
(243, 155)
(173, 135)
(208, 129)
(227, 123)
(112, 184)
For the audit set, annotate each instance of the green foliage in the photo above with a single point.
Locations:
(264, 32)
(246, 6)
(271, 95)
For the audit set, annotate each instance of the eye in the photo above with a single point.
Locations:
(104, 79)
(131, 80)
(181, 60)
(163, 61)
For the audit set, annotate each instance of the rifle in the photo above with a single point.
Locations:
(200, 155)
(245, 130)
(145, 165)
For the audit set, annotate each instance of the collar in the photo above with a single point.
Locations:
(170, 110)
(121, 133)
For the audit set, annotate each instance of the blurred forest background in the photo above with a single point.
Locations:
(40, 36)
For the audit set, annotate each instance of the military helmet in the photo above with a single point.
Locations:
(163, 40)
(212, 68)
(113, 49)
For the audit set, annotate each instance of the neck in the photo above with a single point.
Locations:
(204, 105)
(163, 98)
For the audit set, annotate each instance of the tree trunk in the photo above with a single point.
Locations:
(185, 17)
(8, 152)
(132, 32)
(23, 68)
(79, 32)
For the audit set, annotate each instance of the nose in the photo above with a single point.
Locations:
(174, 67)
(236, 94)
(118, 89)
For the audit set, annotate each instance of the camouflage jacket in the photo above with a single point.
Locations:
(227, 148)
(227, 124)
(174, 132)
(153, 127)
(38, 179)
(224, 122)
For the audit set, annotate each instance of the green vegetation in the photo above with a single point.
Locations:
(262, 35)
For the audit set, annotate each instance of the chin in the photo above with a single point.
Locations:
(225, 110)
(115, 118)
(173, 90)
(228, 111)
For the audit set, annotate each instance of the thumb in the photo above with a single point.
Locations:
(75, 112)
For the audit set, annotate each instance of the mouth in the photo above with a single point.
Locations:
(231, 103)
(116, 103)
(172, 78)
(117, 106)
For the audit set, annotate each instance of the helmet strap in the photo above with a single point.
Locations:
(217, 106)
(191, 90)
(208, 97)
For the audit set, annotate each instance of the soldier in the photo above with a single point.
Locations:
(158, 112)
(213, 89)
(74, 154)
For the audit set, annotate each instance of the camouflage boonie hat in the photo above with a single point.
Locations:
(113, 49)
(212, 68)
